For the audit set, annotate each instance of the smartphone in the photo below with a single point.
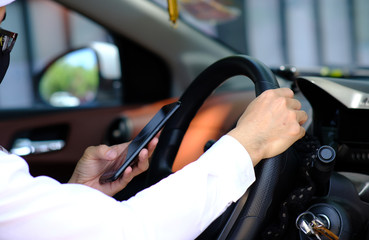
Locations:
(130, 156)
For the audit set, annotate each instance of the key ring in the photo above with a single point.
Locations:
(300, 217)
(309, 224)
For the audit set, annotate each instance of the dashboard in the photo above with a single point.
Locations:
(340, 118)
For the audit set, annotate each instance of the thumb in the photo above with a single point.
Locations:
(111, 154)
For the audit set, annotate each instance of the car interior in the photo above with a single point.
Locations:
(90, 72)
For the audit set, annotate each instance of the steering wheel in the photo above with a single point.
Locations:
(255, 208)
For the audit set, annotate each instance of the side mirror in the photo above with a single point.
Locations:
(89, 75)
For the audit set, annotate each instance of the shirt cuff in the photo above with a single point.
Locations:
(232, 165)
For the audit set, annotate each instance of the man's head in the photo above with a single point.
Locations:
(7, 40)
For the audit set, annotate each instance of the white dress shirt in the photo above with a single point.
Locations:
(178, 207)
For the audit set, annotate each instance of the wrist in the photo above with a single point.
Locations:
(251, 147)
(73, 179)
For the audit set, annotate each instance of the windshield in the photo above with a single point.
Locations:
(302, 33)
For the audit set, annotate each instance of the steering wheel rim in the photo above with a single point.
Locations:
(261, 193)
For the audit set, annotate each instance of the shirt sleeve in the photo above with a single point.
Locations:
(178, 207)
(184, 204)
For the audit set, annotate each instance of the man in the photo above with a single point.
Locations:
(178, 207)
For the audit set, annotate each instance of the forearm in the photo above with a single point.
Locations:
(179, 207)
(184, 204)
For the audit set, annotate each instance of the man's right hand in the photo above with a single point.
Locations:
(96, 159)
(270, 124)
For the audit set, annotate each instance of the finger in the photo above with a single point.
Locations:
(111, 154)
(158, 134)
(126, 177)
(285, 92)
(100, 152)
(302, 132)
(143, 155)
(121, 147)
(143, 160)
(302, 117)
(293, 103)
(152, 145)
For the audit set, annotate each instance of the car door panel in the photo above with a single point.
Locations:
(90, 127)
(83, 128)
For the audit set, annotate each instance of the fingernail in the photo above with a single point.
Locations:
(111, 154)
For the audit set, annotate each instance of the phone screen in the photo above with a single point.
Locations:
(129, 156)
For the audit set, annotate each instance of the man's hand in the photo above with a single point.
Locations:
(270, 124)
(96, 160)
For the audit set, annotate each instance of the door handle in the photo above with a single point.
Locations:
(25, 146)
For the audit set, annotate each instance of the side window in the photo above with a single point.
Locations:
(46, 32)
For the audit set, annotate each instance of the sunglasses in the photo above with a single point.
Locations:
(7, 40)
